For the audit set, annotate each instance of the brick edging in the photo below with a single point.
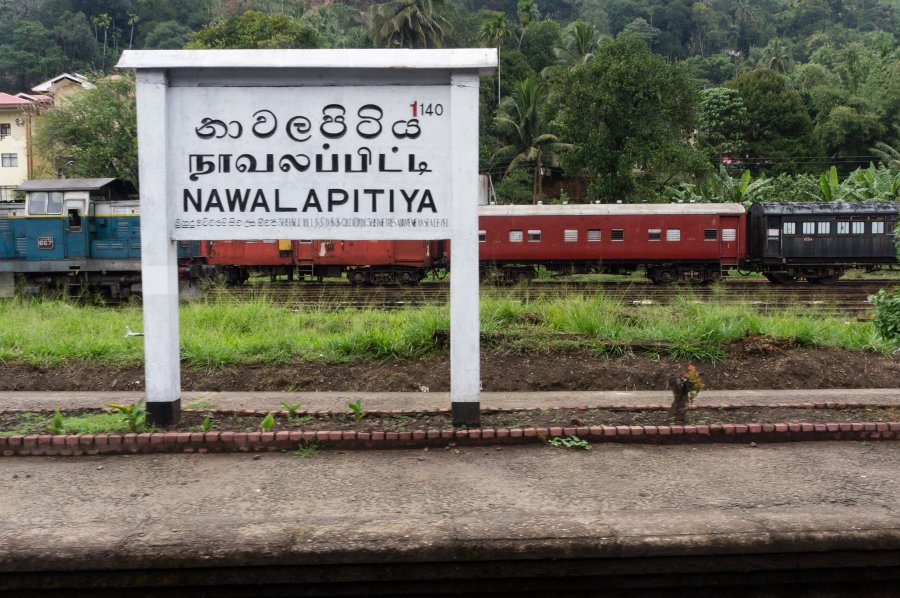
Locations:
(227, 442)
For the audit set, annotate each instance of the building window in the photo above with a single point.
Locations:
(789, 228)
(877, 228)
(593, 235)
(515, 236)
(9, 160)
(859, 228)
(809, 228)
(570, 235)
(617, 234)
(482, 236)
(673, 234)
(710, 234)
(823, 228)
(654, 234)
(5, 130)
(843, 228)
(534, 236)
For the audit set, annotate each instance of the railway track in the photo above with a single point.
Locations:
(844, 297)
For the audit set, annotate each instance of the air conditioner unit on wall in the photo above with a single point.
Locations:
(20, 121)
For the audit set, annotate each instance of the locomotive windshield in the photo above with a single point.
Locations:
(45, 202)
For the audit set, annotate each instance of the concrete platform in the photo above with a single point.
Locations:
(376, 401)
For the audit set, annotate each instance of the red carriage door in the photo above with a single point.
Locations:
(729, 235)
(410, 252)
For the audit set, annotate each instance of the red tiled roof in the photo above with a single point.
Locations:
(8, 100)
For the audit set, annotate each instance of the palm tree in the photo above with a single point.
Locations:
(132, 20)
(521, 121)
(527, 11)
(888, 154)
(409, 23)
(580, 41)
(492, 33)
(776, 56)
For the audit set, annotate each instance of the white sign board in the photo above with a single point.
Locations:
(367, 162)
(307, 144)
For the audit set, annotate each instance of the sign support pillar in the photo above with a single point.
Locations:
(465, 324)
(159, 256)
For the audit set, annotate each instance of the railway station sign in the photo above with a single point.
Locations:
(307, 144)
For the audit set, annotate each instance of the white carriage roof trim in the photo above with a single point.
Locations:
(64, 184)
(483, 59)
(648, 209)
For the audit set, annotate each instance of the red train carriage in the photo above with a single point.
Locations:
(673, 241)
(365, 262)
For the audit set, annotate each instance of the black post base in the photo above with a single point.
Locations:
(466, 414)
(163, 414)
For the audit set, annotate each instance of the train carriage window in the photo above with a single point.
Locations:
(859, 228)
(823, 228)
(843, 228)
(729, 235)
(534, 236)
(773, 233)
(482, 236)
(305, 241)
(515, 236)
(617, 234)
(877, 228)
(654, 234)
(710, 234)
(789, 228)
(673, 234)
(570, 235)
(593, 235)
(809, 228)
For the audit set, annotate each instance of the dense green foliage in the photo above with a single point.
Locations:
(94, 134)
(782, 88)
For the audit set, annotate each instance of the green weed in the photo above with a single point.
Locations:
(569, 442)
(357, 410)
(134, 414)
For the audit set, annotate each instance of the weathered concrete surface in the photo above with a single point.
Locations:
(374, 401)
(458, 505)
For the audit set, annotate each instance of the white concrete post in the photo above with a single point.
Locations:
(159, 255)
(465, 325)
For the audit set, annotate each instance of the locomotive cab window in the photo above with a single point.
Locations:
(823, 228)
(673, 234)
(593, 235)
(654, 234)
(515, 236)
(534, 236)
(617, 234)
(858, 228)
(877, 228)
(482, 236)
(42, 202)
(710, 234)
(843, 228)
(789, 228)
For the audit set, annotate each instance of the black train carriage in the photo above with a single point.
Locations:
(818, 241)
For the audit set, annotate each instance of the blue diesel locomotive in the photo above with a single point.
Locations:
(75, 235)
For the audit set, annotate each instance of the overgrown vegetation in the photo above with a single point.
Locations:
(214, 335)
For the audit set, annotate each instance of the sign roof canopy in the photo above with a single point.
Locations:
(482, 59)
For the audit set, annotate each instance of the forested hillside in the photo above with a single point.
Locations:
(629, 99)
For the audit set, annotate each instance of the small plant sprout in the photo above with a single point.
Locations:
(291, 409)
(56, 425)
(569, 442)
(207, 424)
(357, 410)
(267, 422)
(306, 450)
(134, 414)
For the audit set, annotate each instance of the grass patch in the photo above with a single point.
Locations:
(220, 333)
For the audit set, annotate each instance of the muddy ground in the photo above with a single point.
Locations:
(751, 363)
